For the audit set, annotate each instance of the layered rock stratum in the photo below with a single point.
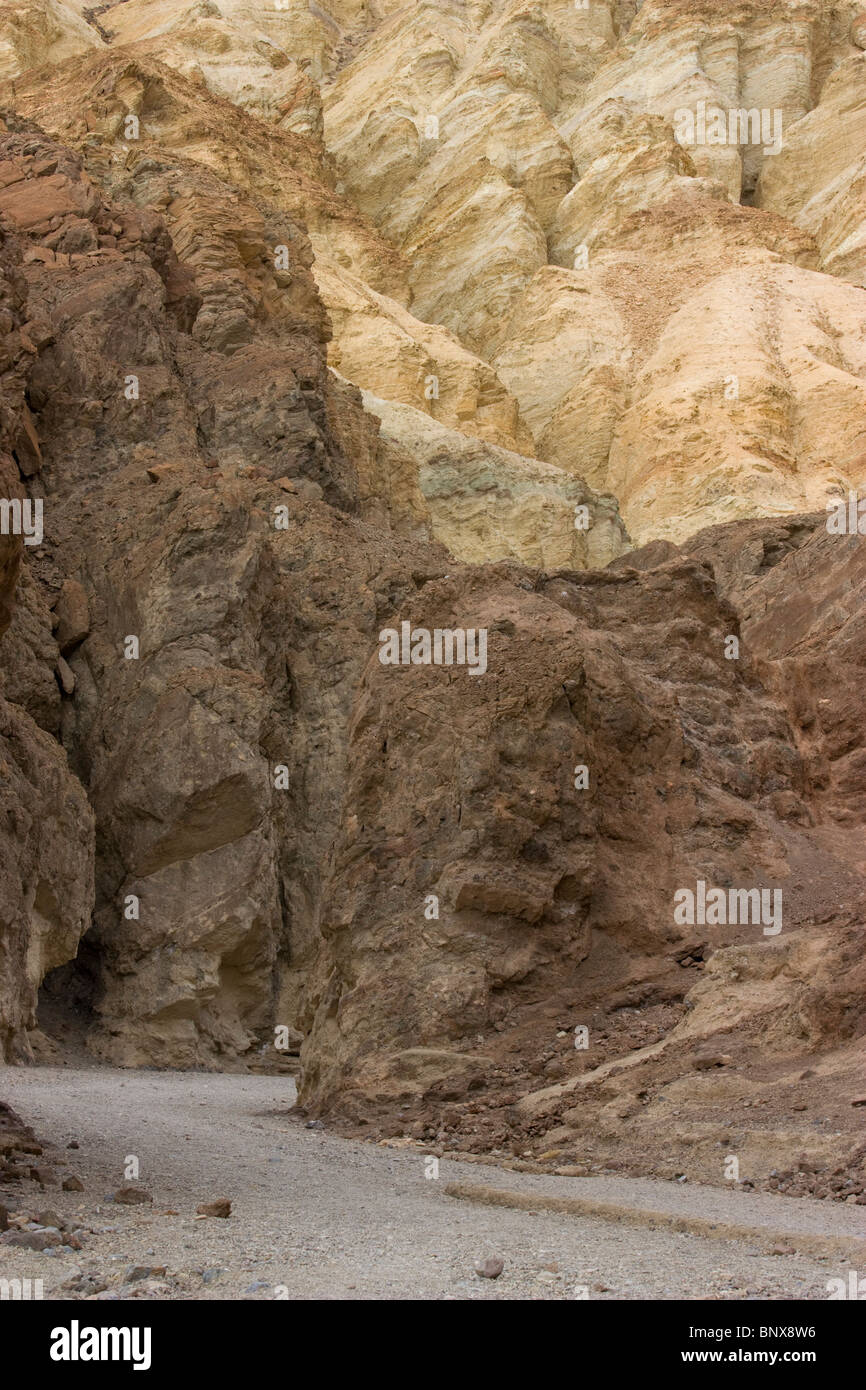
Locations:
(321, 319)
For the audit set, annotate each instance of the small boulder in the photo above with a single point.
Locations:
(130, 1196)
(73, 615)
(46, 1177)
(65, 676)
(221, 1207)
(137, 1272)
(49, 1218)
(32, 1240)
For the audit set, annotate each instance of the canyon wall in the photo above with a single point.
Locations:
(316, 321)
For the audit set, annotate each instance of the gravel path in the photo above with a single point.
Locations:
(315, 1216)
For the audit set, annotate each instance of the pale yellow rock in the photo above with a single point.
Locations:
(644, 167)
(466, 203)
(679, 53)
(380, 346)
(426, 54)
(444, 132)
(512, 134)
(819, 180)
(693, 395)
(414, 60)
(471, 255)
(307, 33)
(753, 404)
(566, 358)
(33, 32)
(486, 503)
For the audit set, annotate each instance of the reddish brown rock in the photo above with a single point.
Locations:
(222, 1207)
(46, 848)
(130, 1196)
(32, 1240)
(73, 615)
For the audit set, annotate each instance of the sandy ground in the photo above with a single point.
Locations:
(319, 1217)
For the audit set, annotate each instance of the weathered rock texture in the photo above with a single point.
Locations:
(484, 501)
(819, 179)
(319, 319)
(443, 156)
(46, 840)
(208, 454)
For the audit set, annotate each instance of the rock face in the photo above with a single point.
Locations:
(483, 501)
(185, 698)
(386, 350)
(524, 861)
(322, 320)
(46, 845)
(42, 31)
(790, 998)
(819, 179)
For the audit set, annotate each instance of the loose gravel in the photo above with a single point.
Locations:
(319, 1217)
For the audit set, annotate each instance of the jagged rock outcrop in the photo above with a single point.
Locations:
(488, 503)
(798, 586)
(556, 905)
(42, 31)
(819, 179)
(756, 1012)
(46, 824)
(622, 675)
(183, 696)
